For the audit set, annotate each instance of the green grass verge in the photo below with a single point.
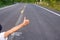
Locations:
(55, 7)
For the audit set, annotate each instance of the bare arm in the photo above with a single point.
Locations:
(14, 29)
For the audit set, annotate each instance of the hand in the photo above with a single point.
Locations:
(25, 22)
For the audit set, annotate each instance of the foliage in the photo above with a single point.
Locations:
(8, 2)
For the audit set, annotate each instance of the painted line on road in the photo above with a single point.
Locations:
(22, 11)
(20, 17)
(48, 10)
(18, 21)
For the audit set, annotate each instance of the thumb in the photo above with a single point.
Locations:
(24, 18)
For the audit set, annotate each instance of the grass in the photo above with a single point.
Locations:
(55, 7)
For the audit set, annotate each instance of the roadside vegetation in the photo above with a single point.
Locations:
(9, 2)
(53, 4)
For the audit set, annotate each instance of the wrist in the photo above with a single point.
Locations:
(22, 24)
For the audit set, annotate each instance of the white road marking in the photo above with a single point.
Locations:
(22, 11)
(18, 21)
(48, 10)
(20, 17)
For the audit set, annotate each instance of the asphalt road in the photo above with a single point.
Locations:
(44, 25)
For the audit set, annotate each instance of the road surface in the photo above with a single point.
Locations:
(44, 24)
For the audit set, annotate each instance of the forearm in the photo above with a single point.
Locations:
(14, 29)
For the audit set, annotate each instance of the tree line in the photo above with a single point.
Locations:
(28, 1)
(7, 2)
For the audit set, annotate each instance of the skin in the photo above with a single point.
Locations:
(14, 29)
